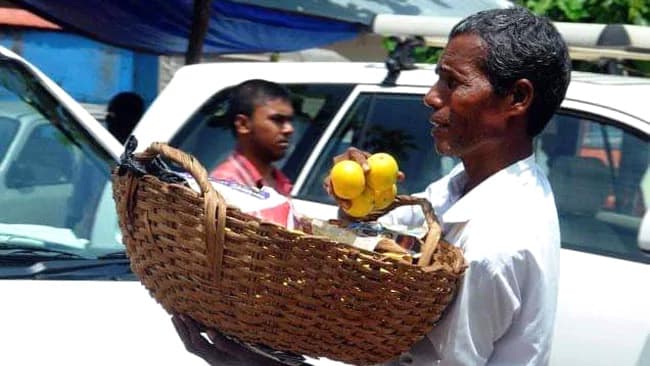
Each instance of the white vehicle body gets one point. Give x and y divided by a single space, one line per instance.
603 301
77 322
62 319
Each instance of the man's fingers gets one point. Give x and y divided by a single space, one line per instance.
338 158
190 334
185 332
191 325
223 343
344 204
354 154
236 351
401 176
361 158
181 329
327 185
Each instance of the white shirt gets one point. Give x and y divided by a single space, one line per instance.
508 229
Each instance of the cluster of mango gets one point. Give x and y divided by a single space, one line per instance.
366 192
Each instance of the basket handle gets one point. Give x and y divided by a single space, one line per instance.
214 204
433 235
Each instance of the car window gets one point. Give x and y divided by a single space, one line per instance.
599 175
382 122
8 128
52 175
42 159
208 137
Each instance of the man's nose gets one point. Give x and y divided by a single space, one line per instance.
287 128
432 98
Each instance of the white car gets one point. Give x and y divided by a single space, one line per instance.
68 294
595 151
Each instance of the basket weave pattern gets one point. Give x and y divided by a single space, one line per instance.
262 283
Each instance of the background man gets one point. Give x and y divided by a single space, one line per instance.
261 114
123 113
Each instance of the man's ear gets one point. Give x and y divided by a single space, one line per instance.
521 97
242 124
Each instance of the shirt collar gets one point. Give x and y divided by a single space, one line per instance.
248 168
484 196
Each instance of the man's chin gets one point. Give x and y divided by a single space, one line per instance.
443 149
278 155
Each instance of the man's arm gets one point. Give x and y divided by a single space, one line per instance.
487 301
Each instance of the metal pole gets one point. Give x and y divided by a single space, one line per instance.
200 20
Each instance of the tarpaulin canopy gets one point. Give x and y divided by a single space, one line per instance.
234 26
163 26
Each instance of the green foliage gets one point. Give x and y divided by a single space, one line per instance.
592 11
585 11
427 55
597 11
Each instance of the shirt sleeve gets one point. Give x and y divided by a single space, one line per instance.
487 301
436 193
410 216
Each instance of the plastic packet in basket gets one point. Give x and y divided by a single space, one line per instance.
401 244
265 203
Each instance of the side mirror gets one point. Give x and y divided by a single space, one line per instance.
644 233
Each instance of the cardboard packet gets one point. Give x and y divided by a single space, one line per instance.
265 203
370 236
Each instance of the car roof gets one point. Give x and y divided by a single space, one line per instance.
192 85
618 92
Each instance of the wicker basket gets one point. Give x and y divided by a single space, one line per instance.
262 283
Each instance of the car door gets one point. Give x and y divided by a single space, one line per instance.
598 167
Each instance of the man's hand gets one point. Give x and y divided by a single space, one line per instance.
353 154
215 349
360 157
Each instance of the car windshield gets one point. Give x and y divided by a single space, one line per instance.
54 180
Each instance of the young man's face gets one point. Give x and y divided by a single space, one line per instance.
271 128
468 116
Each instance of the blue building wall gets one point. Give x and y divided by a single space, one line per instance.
91 72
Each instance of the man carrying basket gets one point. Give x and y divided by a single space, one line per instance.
503 74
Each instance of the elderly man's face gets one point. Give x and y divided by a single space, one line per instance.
468 116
